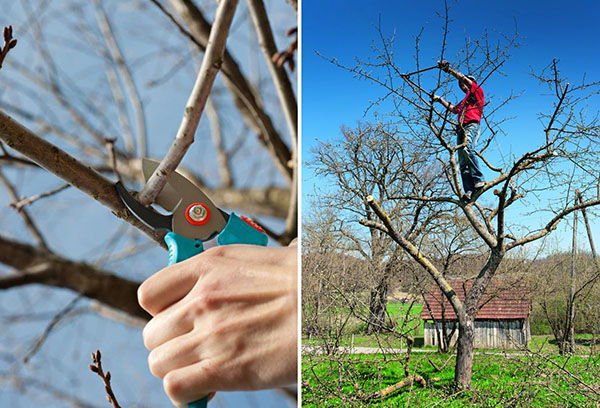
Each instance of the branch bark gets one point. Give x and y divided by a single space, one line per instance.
52 270
65 166
417 256
245 96
132 91
211 64
280 78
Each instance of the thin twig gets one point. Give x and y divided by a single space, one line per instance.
9 43
110 146
31 226
287 55
53 323
125 72
211 64
18 205
97 368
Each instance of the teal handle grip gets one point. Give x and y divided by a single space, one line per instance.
180 249
236 231
201 403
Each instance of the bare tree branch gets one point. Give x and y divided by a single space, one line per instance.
245 96
211 64
280 78
132 91
417 256
217 137
97 368
53 323
38 266
9 43
69 169
31 226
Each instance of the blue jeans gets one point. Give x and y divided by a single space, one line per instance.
470 171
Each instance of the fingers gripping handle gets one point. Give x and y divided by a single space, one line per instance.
180 249
237 231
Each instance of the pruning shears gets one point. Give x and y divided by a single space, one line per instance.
194 218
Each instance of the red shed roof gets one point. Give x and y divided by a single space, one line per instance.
501 301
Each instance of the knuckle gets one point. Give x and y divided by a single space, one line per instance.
142 295
197 306
146 336
154 364
202 302
173 386
223 327
221 251
209 300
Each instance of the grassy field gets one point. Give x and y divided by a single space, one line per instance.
498 381
541 379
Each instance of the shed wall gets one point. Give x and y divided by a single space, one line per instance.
489 334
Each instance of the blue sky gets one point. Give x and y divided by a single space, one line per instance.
332 97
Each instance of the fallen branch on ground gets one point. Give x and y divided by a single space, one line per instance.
388 391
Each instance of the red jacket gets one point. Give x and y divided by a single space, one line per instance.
472 105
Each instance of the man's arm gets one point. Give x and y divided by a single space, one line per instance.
445 66
447 105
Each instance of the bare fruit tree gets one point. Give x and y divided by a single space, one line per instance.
93 87
367 161
533 181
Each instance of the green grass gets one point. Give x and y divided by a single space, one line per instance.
497 381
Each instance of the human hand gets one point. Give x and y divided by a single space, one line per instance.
223 320
444 65
436 98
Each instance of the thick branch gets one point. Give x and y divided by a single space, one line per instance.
414 252
53 270
65 166
280 78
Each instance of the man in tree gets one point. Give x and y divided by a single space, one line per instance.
469 112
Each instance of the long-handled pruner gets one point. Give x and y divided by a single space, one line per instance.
194 219
419 71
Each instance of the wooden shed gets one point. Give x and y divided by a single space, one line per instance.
502 321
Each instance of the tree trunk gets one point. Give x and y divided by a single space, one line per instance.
465 351
377 307
570 333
